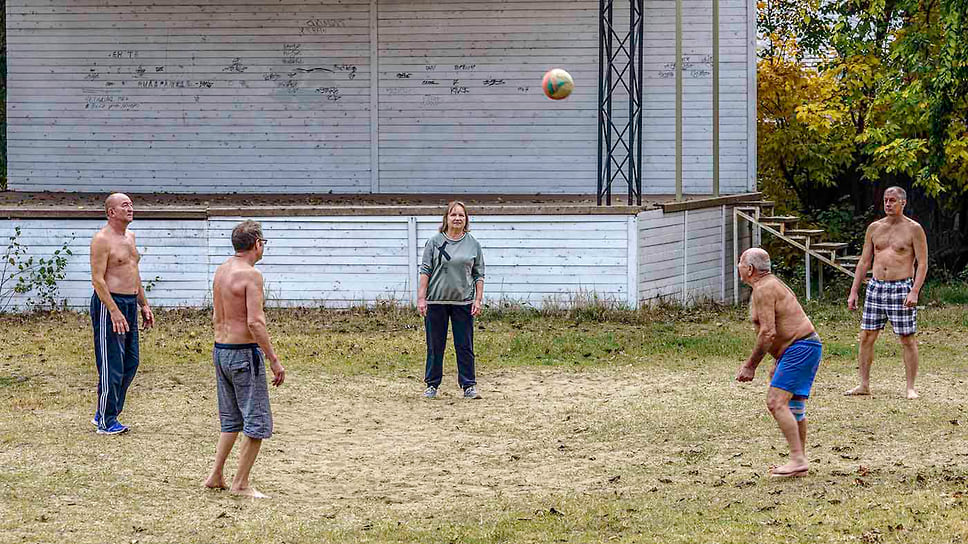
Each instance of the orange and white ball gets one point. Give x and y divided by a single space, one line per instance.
557 84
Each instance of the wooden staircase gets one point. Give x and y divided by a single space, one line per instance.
759 213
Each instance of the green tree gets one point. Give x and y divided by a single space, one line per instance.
856 95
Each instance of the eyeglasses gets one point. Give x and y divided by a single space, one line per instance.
264 241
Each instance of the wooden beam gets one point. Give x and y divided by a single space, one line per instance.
711 202
98 213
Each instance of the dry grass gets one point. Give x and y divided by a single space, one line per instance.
629 430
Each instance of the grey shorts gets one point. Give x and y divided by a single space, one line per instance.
243 393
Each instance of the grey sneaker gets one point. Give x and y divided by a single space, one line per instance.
470 392
430 392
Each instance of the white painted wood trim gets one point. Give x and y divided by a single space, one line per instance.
632 244
210 260
414 280
735 256
315 219
678 98
685 257
751 93
806 258
374 97
722 252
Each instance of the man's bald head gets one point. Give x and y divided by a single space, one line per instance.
115 199
119 206
757 257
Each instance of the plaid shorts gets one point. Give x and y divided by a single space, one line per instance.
885 301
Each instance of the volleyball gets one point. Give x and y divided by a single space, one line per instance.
557 84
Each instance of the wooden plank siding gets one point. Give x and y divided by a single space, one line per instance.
558 259
344 261
354 96
175 96
686 256
175 252
461 106
333 262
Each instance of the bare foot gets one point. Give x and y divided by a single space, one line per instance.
216 482
858 391
249 492
912 394
790 470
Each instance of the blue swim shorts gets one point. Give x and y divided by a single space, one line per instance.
798 366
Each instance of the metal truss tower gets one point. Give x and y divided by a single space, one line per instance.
620 85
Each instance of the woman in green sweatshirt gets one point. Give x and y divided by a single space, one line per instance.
451 289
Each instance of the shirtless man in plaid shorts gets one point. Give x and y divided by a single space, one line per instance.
896 243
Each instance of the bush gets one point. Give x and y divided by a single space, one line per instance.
23 275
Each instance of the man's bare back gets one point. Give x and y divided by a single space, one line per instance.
234 282
784 331
790 323
240 325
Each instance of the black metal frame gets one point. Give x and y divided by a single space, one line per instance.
620 71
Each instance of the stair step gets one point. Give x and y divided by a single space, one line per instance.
804 232
760 203
849 258
778 219
834 246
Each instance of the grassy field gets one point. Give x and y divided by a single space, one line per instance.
623 429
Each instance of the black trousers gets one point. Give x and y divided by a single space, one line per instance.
436 324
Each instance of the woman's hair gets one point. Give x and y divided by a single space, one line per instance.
450 208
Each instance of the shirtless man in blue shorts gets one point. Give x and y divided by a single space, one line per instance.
896 243
784 331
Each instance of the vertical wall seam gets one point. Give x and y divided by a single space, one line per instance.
632 245
751 93
722 252
374 97
685 257
414 280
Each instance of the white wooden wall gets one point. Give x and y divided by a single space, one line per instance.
687 256
737 88
345 261
563 259
326 261
461 106
351 96
174 251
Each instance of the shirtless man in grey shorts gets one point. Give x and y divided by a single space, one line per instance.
896 244
241 339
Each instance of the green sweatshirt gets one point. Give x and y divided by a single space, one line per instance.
454 267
